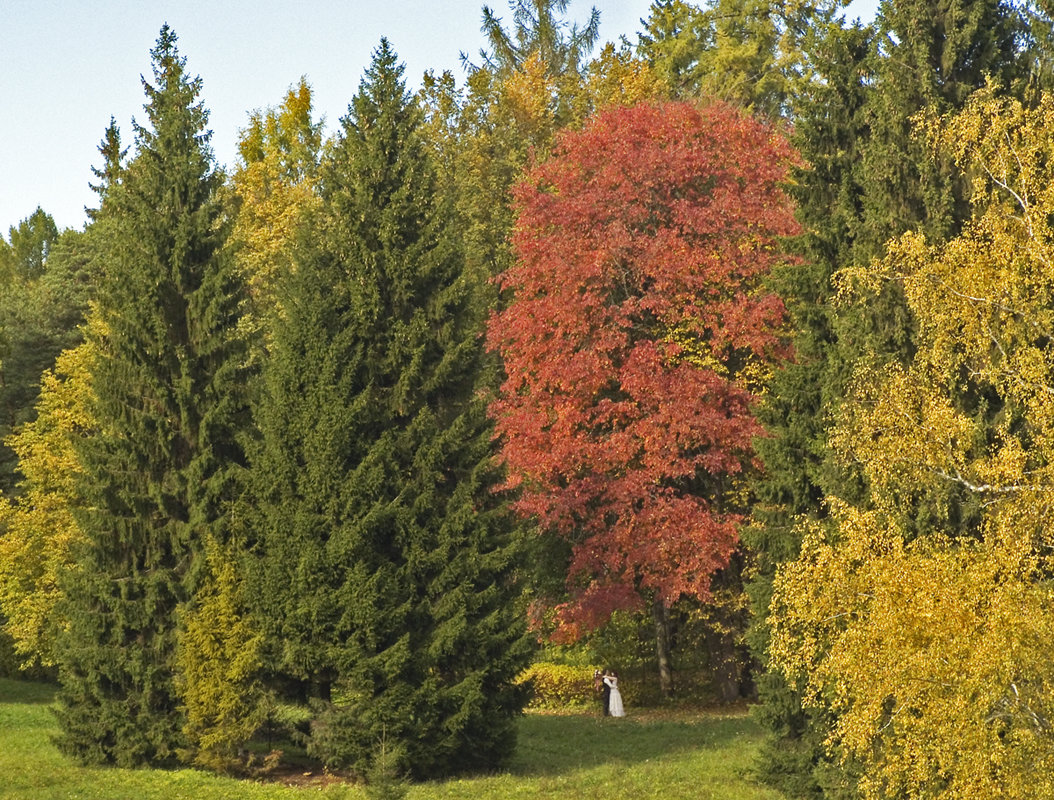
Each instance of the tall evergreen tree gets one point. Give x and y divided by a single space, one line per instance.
163 466
676 37
386 560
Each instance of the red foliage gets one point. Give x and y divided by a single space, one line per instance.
641 243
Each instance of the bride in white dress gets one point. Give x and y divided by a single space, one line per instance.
615 708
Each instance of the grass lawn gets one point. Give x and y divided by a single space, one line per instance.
701 756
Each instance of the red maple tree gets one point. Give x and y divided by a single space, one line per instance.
636 304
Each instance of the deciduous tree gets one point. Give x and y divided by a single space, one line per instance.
275 188
39 530
636 327
42 303
928 647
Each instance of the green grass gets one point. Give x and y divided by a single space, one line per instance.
702 756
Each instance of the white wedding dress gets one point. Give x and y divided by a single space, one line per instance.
615 700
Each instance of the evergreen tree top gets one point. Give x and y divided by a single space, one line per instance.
109 174
537 28
380 154
173 106
948 49
381 87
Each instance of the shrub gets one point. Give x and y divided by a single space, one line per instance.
556 686
567 686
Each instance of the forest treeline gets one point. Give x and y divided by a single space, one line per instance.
728 351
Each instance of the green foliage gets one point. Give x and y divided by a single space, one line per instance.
112 169
742 65
162 465
675 36
928 57
797 405
35 769
745 52
30 244
386 559
40 314
385 781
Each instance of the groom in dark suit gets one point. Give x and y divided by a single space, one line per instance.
600 687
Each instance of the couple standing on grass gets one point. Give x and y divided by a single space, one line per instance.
606 685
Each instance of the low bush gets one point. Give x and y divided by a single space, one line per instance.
558 686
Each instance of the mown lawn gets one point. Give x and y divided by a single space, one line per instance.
701 756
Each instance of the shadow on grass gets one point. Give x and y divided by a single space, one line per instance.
26 692
555 744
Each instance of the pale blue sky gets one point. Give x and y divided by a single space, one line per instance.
66 66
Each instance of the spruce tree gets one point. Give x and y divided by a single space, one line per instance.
386 560
109 174
928 57
163 466
676 39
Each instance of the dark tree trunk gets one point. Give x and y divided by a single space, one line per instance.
661 616
726 663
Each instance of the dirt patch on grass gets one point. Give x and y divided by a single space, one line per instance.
295 776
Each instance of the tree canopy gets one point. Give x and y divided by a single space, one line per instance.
929 649
636 320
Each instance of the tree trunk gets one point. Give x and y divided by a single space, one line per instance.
662 646
726 663
722 634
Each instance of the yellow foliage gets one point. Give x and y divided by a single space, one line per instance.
530 92
616 77
219 663
558 686
39 530
275 188
934 657
933 653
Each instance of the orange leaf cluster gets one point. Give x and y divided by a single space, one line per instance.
640 245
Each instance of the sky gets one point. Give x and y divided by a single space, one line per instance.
67 66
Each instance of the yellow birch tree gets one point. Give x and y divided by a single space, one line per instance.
933 651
